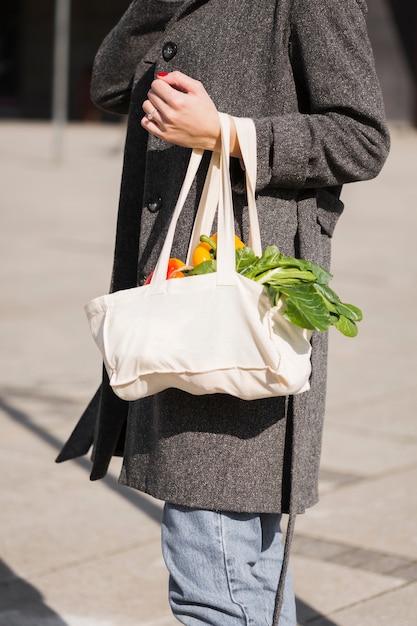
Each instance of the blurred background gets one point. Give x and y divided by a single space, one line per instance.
74 553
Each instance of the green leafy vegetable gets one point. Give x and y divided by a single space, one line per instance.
302 302
301 285
206 267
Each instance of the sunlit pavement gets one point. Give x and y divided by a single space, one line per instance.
76 553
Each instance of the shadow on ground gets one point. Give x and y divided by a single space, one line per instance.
21 604
308 616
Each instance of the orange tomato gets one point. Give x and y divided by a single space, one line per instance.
174 266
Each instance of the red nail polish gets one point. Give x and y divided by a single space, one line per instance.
160 74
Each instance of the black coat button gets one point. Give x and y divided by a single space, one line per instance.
169 50
154 203
141 280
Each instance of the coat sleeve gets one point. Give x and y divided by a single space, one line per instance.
339 134
125 47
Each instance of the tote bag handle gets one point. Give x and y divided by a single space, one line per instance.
204 219
159 276
217 193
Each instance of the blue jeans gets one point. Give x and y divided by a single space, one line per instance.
224 567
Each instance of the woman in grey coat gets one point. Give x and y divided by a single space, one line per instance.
303 71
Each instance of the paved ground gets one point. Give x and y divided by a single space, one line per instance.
76 553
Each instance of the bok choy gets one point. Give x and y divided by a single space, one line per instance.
301 285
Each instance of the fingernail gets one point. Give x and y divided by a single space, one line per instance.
160 74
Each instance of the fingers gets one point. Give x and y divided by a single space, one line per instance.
179 110
152 118
164 98
179 81
171 89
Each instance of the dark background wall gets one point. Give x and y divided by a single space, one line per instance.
393 32
26 55
26 45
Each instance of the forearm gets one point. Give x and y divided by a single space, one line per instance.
340 133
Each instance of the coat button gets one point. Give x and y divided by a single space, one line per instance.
169 50
141 280
154 203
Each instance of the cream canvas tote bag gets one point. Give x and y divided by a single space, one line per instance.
210 333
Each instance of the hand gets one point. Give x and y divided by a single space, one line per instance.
182 112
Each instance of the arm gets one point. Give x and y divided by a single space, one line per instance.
340 135
130 41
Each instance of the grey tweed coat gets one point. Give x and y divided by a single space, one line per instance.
304 71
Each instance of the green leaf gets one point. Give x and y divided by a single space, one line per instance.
350 311
304 302
206 267
293 314
245 259
274 294
286 276
270 259
322 275
346 326
271 252
328 293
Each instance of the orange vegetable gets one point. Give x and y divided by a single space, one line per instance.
206 252
173 271
203 252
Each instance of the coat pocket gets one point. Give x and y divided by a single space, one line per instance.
329 209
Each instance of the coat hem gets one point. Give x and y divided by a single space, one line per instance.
212 505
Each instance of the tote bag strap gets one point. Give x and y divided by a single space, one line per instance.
225 254
217 193
160 272
207 207
246 133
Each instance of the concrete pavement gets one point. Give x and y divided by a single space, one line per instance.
76 553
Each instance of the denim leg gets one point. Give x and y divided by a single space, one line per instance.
224 567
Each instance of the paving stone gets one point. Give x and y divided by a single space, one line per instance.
360 558
386 413
364 452
407 572
385 564
317 549
368 515
55 515
330 479
328 587
396 608
128 587
62 257
353 557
